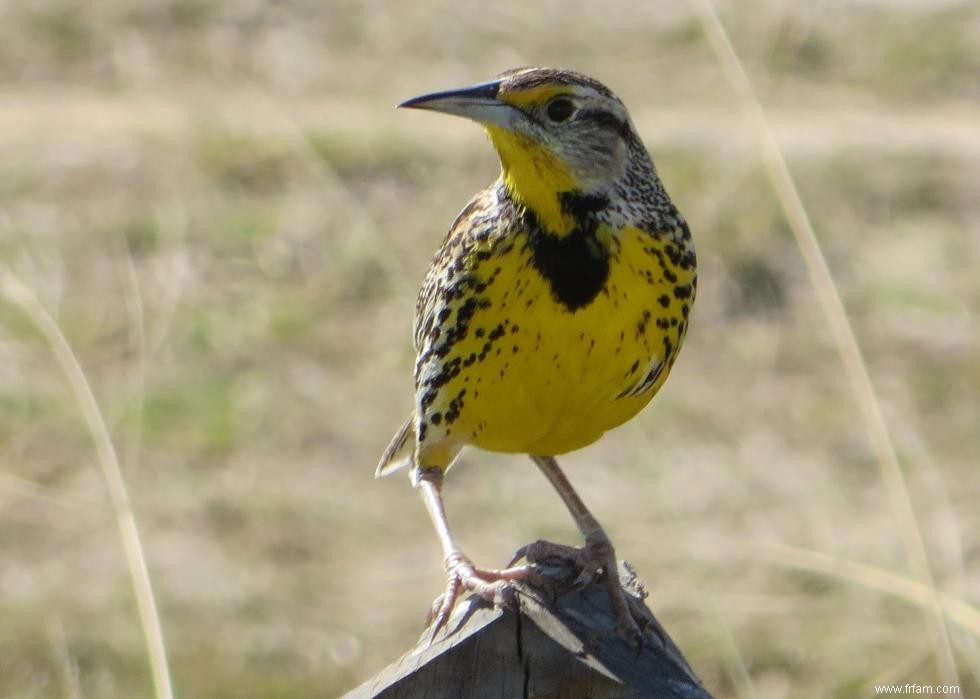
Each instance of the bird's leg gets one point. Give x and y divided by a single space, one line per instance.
491 585
596 557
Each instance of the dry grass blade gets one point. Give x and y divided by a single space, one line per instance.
67 667
956 610
20 295
738 671
847 344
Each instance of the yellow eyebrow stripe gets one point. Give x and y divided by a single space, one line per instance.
534 95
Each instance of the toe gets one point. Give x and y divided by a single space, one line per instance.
527 574
541 550
439 614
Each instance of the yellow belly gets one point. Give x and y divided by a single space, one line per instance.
538 378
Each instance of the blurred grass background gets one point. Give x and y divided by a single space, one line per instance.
229 221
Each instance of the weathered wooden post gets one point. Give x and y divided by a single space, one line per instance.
559 645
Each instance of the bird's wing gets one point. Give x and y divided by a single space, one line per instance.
448 268
446 271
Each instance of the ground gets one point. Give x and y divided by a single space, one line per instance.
229 220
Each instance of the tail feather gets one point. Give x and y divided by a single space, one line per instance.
400 452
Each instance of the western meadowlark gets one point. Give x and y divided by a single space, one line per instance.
553 311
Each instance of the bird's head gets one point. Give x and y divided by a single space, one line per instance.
556 132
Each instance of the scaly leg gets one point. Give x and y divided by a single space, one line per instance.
597 554
491 585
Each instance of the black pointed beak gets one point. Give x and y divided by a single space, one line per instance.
477 102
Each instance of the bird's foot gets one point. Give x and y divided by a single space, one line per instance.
597 561
494 586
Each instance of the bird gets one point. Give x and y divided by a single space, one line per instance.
553 311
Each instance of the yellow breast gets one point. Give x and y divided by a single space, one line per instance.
538 376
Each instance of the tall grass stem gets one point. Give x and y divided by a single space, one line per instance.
20 295
848 348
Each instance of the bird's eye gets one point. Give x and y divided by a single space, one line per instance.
559 109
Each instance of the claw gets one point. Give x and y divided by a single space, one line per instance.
494 586
518 555
596 561
443 606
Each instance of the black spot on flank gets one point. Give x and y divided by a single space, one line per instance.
448 371
664 300
464 314
436 418
641 327
663 323
480 332
428 330
685 310
636 365
670 276
682 292
661 260
455 406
